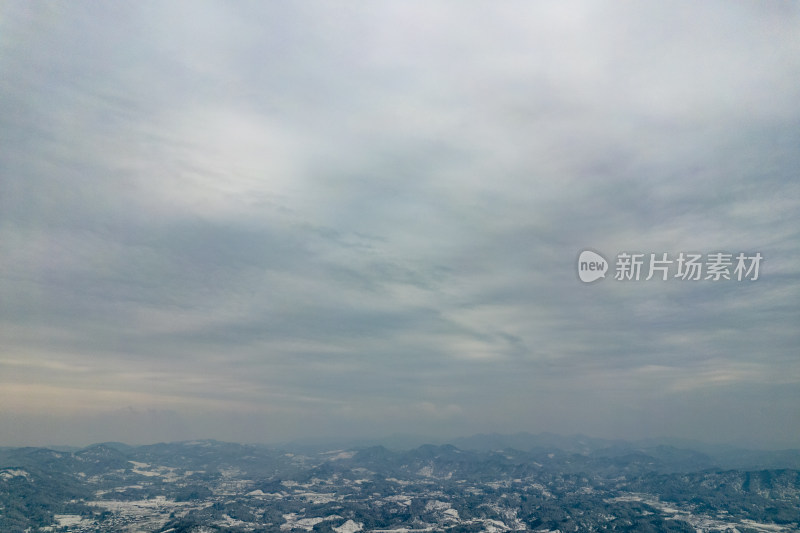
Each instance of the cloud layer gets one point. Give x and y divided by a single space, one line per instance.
272 221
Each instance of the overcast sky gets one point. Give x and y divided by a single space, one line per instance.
268 221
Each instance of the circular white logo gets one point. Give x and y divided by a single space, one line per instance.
591 266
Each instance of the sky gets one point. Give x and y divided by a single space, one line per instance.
267 221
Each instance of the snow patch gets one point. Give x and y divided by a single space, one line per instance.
292 522
67 520
426 471
337 455
318 497
349 527
11 473
436 505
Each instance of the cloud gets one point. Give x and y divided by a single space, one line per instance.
312 220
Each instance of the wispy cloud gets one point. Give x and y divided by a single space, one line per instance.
317 221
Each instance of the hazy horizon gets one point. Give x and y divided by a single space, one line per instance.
272 221
406 441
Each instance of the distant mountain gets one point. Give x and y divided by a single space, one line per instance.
527 442
680 455
491 483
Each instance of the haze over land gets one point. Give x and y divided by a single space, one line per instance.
270 221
